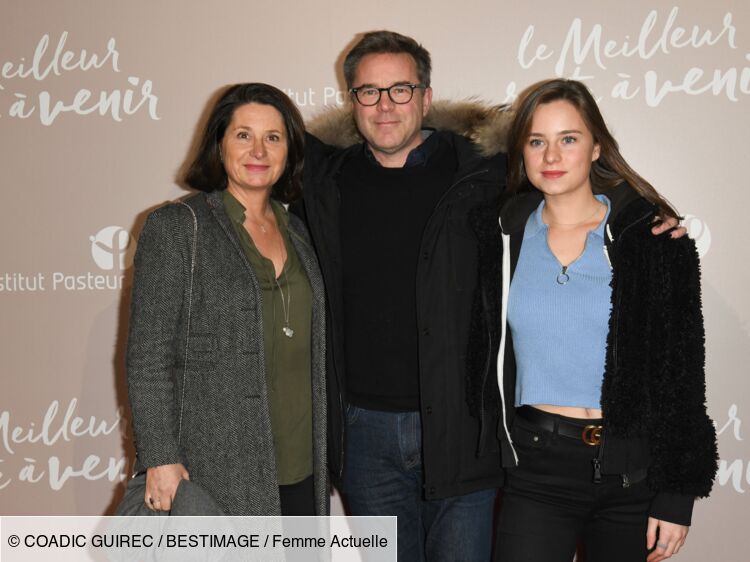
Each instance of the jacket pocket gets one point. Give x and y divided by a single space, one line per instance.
202 347
529 439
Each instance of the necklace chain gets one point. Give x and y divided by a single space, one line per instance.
286 302
263 227
287 308
584 221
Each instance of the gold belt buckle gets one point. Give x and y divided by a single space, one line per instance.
592 435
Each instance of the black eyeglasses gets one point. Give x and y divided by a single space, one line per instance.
398 93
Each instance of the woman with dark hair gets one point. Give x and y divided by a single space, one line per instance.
226 366
597 328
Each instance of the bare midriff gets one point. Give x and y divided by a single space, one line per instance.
571 411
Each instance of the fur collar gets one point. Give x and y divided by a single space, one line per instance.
486 126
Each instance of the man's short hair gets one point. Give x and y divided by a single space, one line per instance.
381 42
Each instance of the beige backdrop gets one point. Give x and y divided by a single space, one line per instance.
93 139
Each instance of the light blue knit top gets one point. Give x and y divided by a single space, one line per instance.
560 322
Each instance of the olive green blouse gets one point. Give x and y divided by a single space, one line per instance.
287 359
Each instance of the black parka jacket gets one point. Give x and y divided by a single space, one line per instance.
460 451
653 392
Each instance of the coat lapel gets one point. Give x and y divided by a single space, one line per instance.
216 204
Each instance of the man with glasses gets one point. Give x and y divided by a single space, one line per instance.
388 219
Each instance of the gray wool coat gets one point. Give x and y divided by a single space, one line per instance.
195 358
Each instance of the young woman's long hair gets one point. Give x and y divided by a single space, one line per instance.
607 172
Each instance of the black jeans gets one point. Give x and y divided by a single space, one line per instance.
551 503
298 499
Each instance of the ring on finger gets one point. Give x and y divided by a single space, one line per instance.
663 545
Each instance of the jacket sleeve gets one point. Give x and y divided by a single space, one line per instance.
675 508
683 441
162 269
315 154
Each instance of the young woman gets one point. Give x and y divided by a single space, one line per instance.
598 328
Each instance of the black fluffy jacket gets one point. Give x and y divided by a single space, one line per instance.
653 392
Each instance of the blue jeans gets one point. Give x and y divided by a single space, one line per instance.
384 476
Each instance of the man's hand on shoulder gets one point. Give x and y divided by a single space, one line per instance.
667 224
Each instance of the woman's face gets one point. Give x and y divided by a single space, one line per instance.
254 148
560 149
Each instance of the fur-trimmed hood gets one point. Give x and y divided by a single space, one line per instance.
485 125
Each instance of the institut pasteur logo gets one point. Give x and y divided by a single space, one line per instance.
112 248
110 253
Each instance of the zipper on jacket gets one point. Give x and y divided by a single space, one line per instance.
421 251
343 425
342 408
482 421
504 329
342 411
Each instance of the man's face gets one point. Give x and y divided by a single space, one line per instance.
391 130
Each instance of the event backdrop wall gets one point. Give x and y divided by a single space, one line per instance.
99 102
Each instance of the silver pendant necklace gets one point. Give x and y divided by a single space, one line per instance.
288 332
286 302
286 306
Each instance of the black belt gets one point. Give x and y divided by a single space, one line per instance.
589 433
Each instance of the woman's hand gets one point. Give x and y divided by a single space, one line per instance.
671 538
161 485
